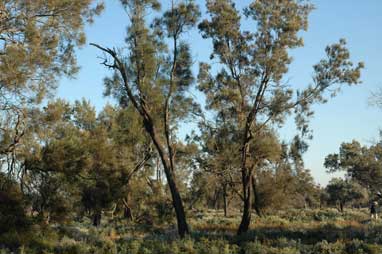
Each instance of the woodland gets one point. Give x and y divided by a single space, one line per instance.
75 180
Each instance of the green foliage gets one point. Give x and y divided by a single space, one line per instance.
361 163
12 216
38 40
345 191
153 72
37 44
247 88
64 168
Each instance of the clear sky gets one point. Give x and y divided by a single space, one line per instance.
348 116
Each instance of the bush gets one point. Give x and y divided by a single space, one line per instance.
14 224
328 248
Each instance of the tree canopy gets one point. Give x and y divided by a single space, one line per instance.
127 165
361 163
37 47
250 87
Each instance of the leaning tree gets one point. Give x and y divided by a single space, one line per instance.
154 76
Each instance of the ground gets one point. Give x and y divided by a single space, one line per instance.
286 232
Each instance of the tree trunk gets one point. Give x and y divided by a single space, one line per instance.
256 198
169 172
159 175
127 214
246 179
178 205
215 201
246 216
225 200
97 218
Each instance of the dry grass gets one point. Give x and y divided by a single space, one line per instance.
288 232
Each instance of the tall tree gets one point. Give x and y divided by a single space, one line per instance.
155 77
253 64
37 42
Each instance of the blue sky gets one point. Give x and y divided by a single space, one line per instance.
348 116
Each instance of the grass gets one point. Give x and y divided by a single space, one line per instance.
293 231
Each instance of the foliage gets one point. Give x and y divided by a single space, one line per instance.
13 220
74 180
37 43
345 191
360 163
154 78
248 87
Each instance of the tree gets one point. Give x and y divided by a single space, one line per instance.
252 65
72 159
305 189
48 160
342 192
283 182
361 163
154 78
216 161
12 215
132 150
37 42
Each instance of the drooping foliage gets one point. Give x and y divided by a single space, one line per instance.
37 47
70 174
154 76
250 83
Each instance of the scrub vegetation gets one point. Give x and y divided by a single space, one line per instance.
121 180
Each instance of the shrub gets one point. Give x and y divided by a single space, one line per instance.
328 248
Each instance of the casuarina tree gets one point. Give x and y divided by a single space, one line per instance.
154 76
37 43
250 78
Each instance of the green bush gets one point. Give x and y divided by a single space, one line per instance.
328 248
